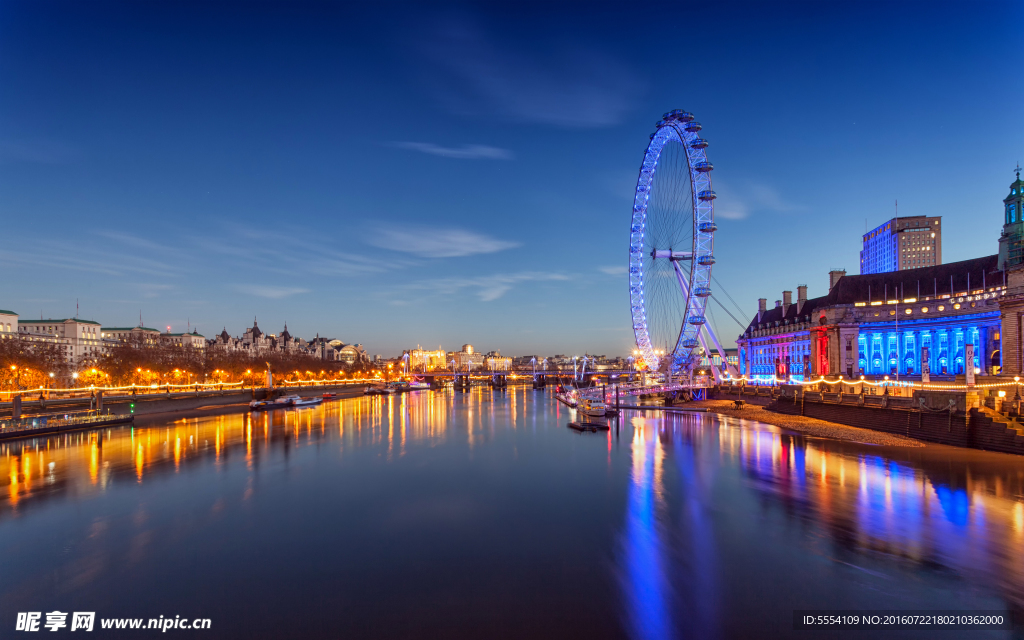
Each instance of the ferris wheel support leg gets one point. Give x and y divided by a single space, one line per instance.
714 370
721 351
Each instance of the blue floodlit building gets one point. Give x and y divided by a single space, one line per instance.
888 323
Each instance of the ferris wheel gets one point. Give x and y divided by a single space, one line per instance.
671 247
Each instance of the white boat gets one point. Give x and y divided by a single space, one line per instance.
286 401
371 391
591 408
306 402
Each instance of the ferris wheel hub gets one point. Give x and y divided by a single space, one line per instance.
672 255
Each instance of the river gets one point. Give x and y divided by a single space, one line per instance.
481 515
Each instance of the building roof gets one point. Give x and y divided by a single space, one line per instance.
52 321
130 329
7 313
952 277
781 313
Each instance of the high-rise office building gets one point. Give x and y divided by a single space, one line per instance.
902 243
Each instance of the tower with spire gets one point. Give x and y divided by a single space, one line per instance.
1011 241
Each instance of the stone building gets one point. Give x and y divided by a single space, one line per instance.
82 340
8 324
140 336
467 359
193 340
896 323
1011 260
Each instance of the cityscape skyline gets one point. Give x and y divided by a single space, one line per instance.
207 167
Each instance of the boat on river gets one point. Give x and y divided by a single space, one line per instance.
591 407
283 403
568 397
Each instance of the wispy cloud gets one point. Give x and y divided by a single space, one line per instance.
739 201
288 256
613 271
551 83
486 288
270 292
69 256
465 152
427 242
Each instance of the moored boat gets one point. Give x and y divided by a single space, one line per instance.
591 407
567 397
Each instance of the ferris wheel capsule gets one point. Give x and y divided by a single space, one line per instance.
706 260
707 227
707 195
703 167
693 127
686 116
699 143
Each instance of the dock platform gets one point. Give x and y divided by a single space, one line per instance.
588 426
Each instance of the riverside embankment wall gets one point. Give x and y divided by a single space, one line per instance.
154 403
971 428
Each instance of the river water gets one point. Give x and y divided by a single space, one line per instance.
481 515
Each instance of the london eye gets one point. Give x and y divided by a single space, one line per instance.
671 247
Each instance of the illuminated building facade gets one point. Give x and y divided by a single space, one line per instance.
496 362
424 360
902 243
882 324
895 322
467 359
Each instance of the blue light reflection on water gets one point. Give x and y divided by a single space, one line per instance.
647 586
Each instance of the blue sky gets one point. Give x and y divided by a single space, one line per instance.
396 175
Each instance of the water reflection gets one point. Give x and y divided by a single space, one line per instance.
686 518
85 462
887 512
647 583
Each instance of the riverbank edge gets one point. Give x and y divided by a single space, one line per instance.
805 425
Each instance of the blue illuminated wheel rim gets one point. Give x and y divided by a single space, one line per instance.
671 242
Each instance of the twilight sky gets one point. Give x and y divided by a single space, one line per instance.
395 175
